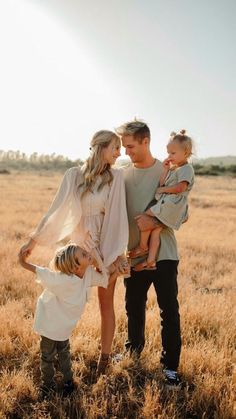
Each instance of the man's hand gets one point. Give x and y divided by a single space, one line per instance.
145 222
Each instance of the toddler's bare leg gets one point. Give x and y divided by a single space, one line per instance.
144 237
154 245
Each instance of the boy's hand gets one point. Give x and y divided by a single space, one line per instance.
22 259
122 265
124 268
27 248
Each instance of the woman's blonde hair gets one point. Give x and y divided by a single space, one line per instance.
95 165
65 260
185 141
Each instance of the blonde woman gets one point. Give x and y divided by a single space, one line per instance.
90 209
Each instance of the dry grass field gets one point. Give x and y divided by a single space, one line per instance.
207 272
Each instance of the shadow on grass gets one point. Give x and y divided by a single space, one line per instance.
121 393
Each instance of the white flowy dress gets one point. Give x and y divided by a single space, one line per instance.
97 222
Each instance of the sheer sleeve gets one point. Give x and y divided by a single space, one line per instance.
64 213
114 234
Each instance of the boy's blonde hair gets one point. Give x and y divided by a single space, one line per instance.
137 128
95 165
65 260
184 140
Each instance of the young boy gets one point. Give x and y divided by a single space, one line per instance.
59 308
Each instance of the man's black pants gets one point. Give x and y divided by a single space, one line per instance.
164 280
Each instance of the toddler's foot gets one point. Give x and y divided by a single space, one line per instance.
145 266
137 251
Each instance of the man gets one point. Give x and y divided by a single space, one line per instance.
141 180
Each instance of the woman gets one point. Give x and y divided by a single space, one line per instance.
90 209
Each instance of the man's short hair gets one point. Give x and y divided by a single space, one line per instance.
137 128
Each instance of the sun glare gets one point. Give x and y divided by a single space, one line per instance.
50 82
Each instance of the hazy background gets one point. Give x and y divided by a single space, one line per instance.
71 67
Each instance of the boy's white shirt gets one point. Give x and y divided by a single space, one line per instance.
62 302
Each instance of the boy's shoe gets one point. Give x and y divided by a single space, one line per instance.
172 379
68 388
45 391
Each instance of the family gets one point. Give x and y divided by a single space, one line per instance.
117 222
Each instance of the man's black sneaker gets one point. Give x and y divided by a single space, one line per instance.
68 388
172 379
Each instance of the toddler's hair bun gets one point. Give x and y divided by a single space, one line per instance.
182 131
172 134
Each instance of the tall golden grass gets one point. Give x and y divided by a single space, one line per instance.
207 245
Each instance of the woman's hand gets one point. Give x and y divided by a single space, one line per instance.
122 265
27 248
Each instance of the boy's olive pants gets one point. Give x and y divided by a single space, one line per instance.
49 349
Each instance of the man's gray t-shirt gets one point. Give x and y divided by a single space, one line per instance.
141 185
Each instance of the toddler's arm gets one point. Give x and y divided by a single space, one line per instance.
175 189
29 266
166 168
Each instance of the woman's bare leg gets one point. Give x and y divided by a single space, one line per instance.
106 304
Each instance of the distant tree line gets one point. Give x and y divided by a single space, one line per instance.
16 160
214 170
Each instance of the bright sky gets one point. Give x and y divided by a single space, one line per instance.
72 67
